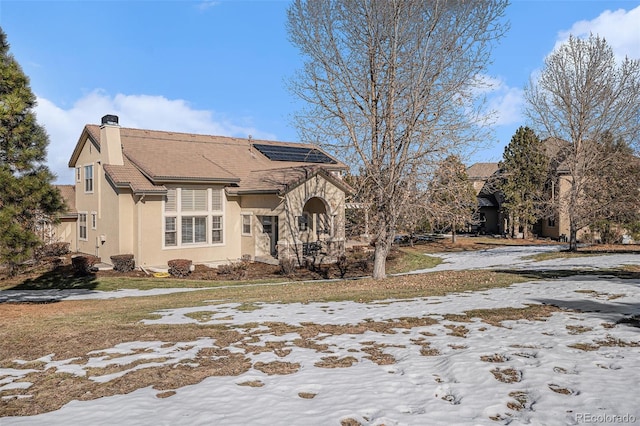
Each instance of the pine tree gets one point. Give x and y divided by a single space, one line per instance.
27 194
452 197
524 170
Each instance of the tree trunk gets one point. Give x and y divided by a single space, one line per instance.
379 261
573 237
453 233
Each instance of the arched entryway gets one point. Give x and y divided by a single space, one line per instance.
316 221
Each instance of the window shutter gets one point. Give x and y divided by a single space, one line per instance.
200 200
216 200
170 202
192 200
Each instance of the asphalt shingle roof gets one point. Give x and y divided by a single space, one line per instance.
153 158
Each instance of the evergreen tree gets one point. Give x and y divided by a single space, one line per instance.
452 197
27 194
524 170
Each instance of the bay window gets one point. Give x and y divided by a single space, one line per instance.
193 216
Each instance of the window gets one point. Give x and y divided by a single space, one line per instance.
193 200
551 222
170 232
303 223
78 174
94 220
88 178
246 224
216 230
82 226
193 216
194 229
267 224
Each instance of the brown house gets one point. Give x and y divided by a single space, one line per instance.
482 176
211 199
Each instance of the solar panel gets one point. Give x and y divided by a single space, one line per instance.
294 153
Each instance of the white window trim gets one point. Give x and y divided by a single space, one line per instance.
86 226
94 220
223 236
242 216
209 214
164 230
93 178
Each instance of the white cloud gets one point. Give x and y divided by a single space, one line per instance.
206 5
619 28
505 103
137 111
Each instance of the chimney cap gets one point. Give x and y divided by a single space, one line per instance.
110 119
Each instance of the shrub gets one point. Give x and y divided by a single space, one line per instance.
84 264
52 250
342 264
123 262
287 266
235 270
179 267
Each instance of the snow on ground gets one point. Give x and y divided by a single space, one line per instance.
524 372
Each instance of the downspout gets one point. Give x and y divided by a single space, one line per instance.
139 233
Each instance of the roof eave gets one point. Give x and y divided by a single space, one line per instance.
85 135
191 179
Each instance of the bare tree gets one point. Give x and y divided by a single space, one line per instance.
614 191
391 85
583 93
452 196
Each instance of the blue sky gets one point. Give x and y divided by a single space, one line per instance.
221 67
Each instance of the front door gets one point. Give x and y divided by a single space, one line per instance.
270 232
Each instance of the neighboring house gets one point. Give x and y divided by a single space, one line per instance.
211 199
65 229
482 176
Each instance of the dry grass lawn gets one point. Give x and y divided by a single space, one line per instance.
73 329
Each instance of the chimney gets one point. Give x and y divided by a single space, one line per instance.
110 144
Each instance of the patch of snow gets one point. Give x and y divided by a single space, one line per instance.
523 372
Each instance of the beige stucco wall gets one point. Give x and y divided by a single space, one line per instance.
66 231
258 244
321 188
147 226
88 202
288 208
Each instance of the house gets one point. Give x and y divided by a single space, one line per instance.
210 199
483 176
65 228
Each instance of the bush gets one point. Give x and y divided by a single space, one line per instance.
123 262
179 268
52 250
287 266
343 265
84 264
235 270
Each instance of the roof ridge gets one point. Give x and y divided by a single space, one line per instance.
230 138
